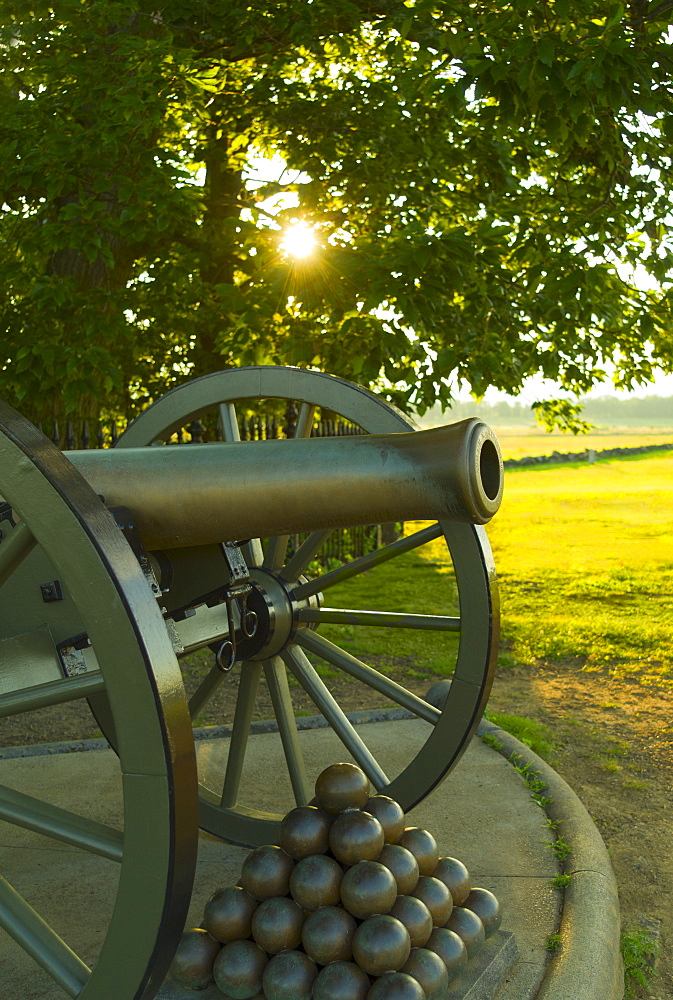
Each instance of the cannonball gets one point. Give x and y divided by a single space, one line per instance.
427 967
316 881
355 836
390 815
415 916
328 935
450 948
381 944
469 927
266 872
277 924
455 877
486 906
436 897
423 846
192 964
239 968
368 888
342 786
228 913
304 831
289 976
402 864
341 981
396 986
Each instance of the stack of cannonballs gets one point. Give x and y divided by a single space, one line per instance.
351 905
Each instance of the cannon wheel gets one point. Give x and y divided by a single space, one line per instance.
221 811
55 511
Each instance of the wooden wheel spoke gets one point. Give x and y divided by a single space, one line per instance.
305 420
229 422
60 824
380 619
368 675
42 943
276 679
306 551
252 552
14 548
368 562
51 693
276 548
245 704
205 691
320 695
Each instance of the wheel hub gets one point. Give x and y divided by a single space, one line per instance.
277 610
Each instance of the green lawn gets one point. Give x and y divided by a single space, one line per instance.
584 555
585 559
418 582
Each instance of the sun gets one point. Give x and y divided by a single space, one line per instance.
299 240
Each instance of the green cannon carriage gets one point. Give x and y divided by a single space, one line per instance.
116 563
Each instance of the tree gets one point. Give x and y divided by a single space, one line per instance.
483 180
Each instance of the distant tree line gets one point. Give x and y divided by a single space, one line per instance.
611 411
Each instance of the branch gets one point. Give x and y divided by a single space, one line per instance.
268 190
654 15
279 34
604 202
24 87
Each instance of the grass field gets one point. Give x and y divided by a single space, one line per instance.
517 442
584 555
585 558
419 582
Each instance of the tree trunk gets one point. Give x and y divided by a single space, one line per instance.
222 204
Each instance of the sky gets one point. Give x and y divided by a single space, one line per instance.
538 388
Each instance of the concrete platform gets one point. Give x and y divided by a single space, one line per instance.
483 814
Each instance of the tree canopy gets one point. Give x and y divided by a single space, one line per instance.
488 184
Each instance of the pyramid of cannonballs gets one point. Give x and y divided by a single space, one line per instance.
350 905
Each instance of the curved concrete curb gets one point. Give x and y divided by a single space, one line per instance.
588 965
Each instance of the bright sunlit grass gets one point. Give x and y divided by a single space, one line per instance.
585 560
419 582
584 555
299 240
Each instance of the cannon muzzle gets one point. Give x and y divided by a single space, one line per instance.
185 495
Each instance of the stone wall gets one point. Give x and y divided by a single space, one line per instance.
589 455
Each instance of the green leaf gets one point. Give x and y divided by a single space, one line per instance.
578 68
545 50
616 16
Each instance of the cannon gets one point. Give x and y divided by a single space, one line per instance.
116 563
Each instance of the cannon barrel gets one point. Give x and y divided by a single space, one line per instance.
185 495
